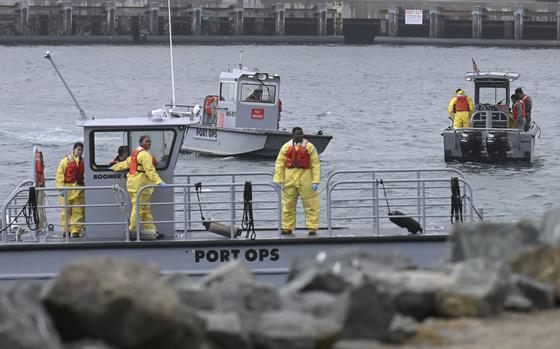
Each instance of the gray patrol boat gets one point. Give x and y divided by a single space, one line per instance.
212 218
244 119
490 139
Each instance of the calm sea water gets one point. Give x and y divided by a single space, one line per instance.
384 105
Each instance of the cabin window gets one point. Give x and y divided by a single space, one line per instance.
162 143
105 146
492 96
258 93
227 92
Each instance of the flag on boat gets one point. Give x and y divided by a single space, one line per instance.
475 69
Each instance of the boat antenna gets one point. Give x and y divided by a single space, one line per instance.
82 113
240 59
171 53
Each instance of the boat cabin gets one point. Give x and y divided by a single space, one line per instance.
102 139
247 99
491 98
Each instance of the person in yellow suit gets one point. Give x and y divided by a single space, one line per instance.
298 170
460 109
70 174
141 166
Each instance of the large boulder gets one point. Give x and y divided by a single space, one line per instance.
226 330
294 330
491 241
368 313
244 296
541 264
123 303
234 270
540 295
316 303
550 228
478 289
24 323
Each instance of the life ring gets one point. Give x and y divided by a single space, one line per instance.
210 106
39 169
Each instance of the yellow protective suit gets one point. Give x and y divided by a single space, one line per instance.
297 182
74 197
146 174
460 118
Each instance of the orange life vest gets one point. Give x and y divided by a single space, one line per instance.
461 103
298 158
39 169
515 113
134 161
74 172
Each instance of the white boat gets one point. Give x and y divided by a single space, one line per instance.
244 119
490 139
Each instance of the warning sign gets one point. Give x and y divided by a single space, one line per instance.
412 16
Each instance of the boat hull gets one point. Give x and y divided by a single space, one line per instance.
211 140
269 259
520 145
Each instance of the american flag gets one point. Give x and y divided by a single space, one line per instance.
475 67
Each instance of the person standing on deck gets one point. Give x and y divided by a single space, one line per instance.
460 109
518 111
141 166
528 103
70 174
298 171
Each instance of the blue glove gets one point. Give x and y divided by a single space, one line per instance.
315 186
61 193
163 184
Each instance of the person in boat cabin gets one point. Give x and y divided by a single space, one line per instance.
122 154
528 103
255 96
70 174
460 109
298 171
141 166
518 111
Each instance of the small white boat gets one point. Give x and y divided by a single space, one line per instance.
244 119
490 139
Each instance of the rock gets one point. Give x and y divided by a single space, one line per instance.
347 262
196 296
244 296
368 313
226 331
234 270
88 344
319 304
401 329
550 228
294 330
177 280
412 291
24 323
517 302
491 241
123 303
314 279
540 295
478 290
541 264
356 344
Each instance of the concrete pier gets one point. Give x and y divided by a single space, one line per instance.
361 21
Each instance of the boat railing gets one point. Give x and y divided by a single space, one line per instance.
14 213
371 200
500 119
223 200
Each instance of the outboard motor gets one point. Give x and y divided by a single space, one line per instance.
497 145
471 145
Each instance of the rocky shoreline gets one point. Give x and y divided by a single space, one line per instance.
496 280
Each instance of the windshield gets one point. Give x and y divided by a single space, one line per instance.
258 93
491 95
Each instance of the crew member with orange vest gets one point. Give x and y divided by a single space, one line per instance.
528 104
298 171
460 109
70 174
141 166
